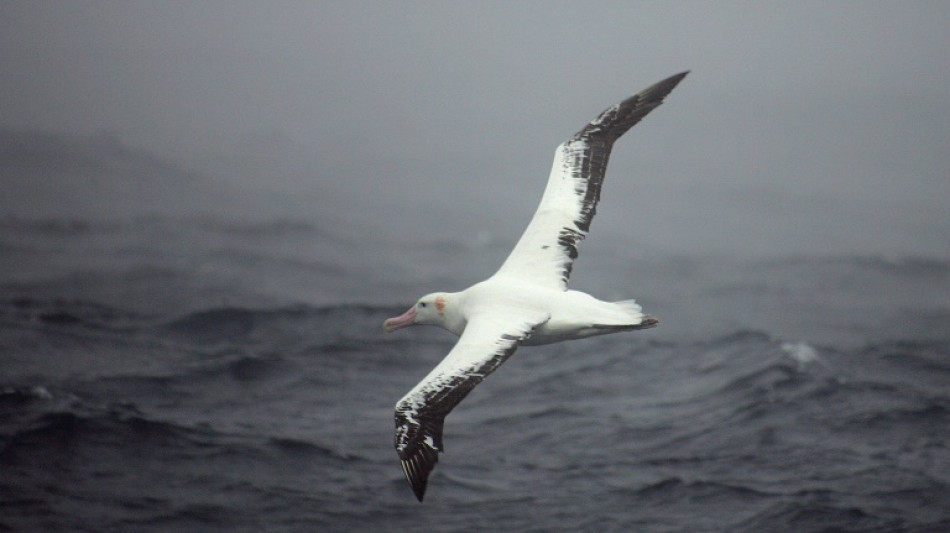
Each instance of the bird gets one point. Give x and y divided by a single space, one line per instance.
527 301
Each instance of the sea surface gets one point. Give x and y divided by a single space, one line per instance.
211 375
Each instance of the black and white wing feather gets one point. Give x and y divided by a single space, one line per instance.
486 343
543 256
547 249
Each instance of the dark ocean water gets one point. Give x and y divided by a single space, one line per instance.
198 375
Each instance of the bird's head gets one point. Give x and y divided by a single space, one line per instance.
431 309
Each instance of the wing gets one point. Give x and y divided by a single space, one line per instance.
484 345
547 249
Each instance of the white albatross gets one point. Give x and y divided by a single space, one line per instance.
527 301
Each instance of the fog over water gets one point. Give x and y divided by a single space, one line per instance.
806 128
208 209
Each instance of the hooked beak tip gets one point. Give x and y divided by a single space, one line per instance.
406 319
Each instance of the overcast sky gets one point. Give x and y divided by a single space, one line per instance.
804 126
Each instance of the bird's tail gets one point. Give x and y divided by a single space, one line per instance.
638 320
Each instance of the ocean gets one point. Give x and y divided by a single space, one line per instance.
204 374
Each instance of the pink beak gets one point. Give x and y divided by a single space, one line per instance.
406 319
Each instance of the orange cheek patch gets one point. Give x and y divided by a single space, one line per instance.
440 305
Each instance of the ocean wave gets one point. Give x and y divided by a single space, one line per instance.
59 227
212 316
63 312
676 488
296 323
200 326
261 227
15 396
308 450
292 405
913 265
62 433
907 409
251 226
203 326
216 368
816 516
67 435
924 356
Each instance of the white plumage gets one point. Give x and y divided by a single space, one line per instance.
527 301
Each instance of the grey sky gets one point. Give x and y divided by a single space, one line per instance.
803 126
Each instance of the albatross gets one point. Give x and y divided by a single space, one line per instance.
527 301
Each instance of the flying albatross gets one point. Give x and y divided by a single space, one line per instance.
527 301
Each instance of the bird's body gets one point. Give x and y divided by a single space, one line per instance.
527 301
569 314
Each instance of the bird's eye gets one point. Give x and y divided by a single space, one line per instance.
422 304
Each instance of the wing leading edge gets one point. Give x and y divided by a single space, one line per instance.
484 345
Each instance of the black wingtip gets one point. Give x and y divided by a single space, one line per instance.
617 119
418 443
658 91
420 492
417 477
676 78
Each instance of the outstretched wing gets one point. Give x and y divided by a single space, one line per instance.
547 249
485 344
